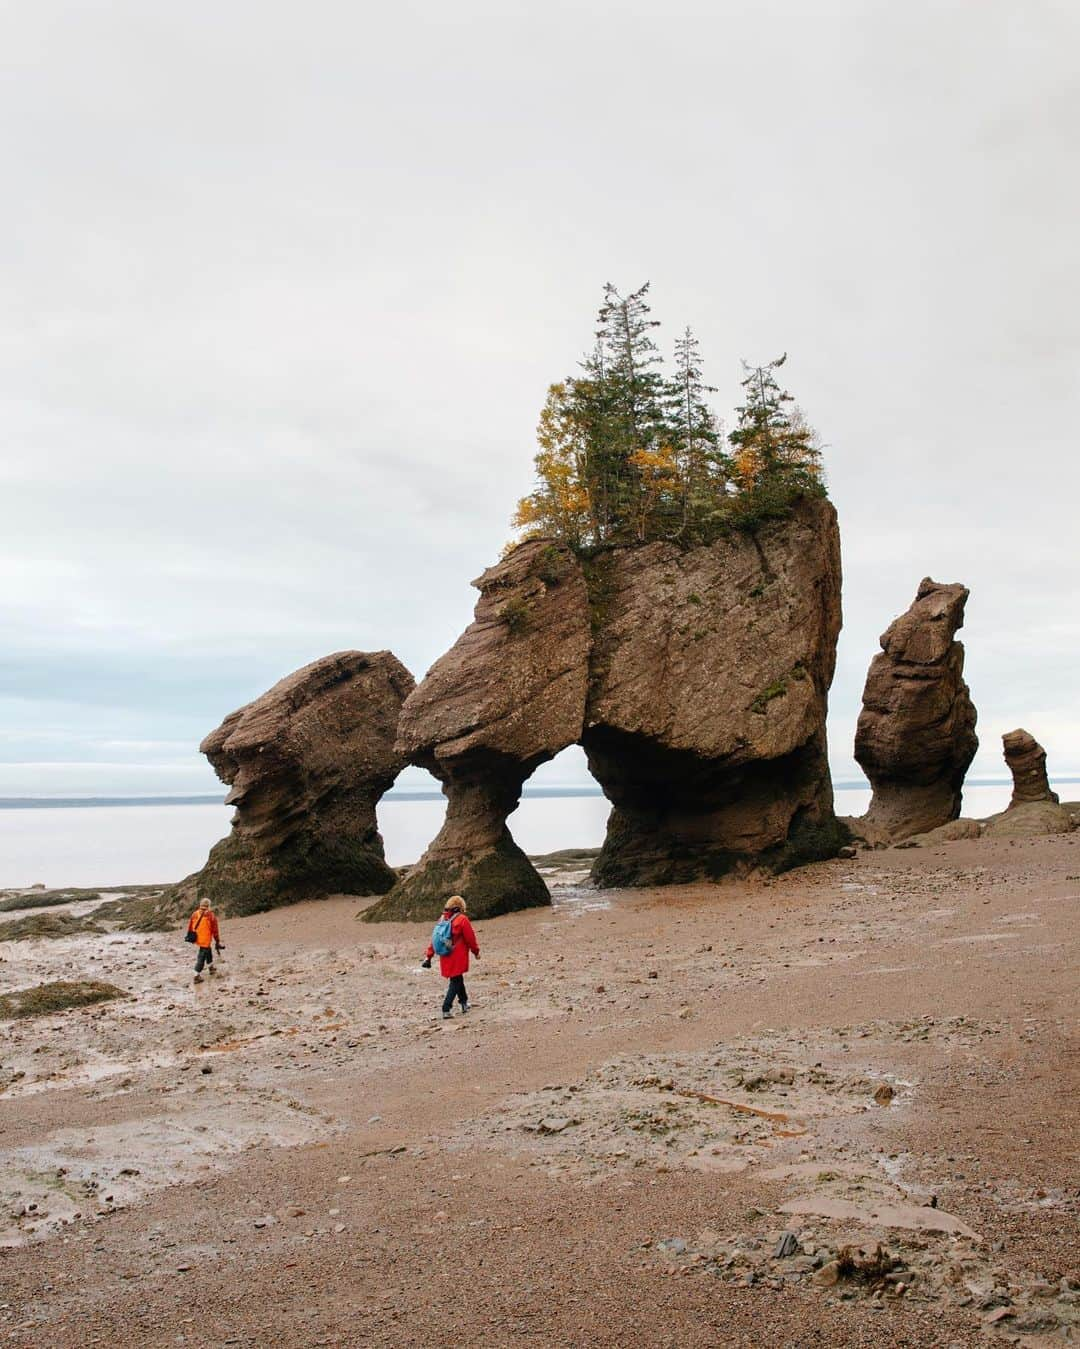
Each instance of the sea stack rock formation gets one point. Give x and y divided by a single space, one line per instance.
695 678
306 765
709 681
916 733
507 696
1026 760
1034 809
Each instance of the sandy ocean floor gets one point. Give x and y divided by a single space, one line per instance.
680 1117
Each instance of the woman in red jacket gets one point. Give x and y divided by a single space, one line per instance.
455 965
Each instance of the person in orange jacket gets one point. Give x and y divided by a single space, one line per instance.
203 930
453 930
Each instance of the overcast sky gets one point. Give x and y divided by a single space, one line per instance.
283 286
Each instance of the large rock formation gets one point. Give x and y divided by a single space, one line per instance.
696 679
705 723
507 696
306 765
1026 761
1034 809
916 732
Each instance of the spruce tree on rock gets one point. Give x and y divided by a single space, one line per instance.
704 469
627 454
776 456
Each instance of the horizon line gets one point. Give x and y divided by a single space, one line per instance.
539 792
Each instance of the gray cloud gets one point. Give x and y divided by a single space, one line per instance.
284 288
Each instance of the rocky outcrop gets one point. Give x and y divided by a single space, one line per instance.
1034 809
705 722
1026 761
306 764
1030 819
956 831
916 733
509 695
695 678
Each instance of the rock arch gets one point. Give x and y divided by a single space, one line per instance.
696 680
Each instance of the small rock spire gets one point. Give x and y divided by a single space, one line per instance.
1026 759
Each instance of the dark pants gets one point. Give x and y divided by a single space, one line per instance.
455 989
205 957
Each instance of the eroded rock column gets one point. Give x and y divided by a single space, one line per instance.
916 733
1034 809
509 695
1026 761
306 765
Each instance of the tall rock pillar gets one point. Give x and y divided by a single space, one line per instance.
916 733
508 695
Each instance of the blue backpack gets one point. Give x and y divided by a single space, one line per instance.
442 938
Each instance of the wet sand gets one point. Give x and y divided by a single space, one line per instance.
652 1089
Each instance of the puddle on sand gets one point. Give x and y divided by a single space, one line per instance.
578 897
976 937
909 1217
99 1068
92 1171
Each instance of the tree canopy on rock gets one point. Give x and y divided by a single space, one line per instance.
628 452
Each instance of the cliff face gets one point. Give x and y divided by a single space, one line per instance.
916 733
306 764
705 722
507 696
695 679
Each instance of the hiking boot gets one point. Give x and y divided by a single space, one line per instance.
210 970
447 1016
464 1007
197 979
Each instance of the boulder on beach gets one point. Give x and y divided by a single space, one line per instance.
916 732
306 764
1030 819
509 695
955 831
709 681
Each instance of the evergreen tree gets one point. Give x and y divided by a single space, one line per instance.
704 469
627 454
627 388
772 440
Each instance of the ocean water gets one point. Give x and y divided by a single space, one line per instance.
144 844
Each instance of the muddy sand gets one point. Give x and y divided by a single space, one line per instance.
840 1108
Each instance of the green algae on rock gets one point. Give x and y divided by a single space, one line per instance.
60 996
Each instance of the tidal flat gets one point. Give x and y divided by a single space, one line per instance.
686 1116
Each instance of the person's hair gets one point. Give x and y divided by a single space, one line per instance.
455 902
